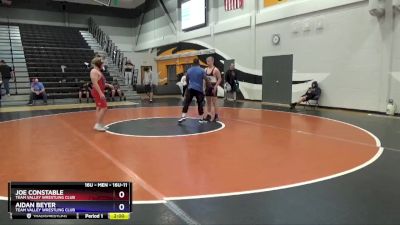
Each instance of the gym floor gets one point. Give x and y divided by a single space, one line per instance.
260 165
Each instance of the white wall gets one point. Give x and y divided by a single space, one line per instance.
156 30
348 49
395 78
352 55
121 36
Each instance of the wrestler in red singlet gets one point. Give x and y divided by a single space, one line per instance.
98 86
101 103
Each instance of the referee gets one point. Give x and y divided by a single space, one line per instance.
195 77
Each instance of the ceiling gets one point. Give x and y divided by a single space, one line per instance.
127 4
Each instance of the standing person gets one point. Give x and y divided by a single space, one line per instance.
98 87
184 84
231 78
7 73
128 72
1 82
135 78
195 77
214 77
148 83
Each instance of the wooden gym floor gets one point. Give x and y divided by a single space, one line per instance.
260 165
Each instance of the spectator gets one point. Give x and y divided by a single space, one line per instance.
37 91
128 72
109 91
7 73
135 77
1 82
312 93
85 91
148 83
184 84
117 90
231 78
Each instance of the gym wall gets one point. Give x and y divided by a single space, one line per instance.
338 43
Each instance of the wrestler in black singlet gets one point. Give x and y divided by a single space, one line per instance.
213 82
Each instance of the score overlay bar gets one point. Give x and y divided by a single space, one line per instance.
70 200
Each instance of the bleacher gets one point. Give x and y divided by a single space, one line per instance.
47 49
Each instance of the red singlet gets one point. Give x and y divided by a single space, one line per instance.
101 103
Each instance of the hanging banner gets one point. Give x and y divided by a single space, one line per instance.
268 3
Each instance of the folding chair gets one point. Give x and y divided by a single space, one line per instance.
314 102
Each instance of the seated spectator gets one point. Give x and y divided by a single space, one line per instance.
312 93
117 91
37 91
109 91
85 91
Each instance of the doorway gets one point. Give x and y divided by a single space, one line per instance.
277 74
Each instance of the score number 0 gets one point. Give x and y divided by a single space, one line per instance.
121 195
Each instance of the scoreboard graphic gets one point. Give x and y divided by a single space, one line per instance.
70 200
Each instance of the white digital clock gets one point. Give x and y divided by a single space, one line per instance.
276 39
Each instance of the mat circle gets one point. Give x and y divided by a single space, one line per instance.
162 127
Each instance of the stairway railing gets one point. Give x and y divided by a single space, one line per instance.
107 45
12 56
